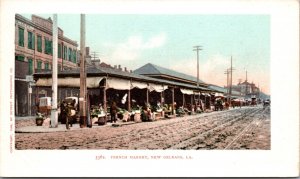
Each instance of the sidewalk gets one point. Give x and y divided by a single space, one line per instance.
25 117
62 127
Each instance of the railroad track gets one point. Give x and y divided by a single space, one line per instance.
188 121
248 129
186 144
136 138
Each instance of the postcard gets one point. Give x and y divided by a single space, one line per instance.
177 88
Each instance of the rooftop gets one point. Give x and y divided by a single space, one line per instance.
151 70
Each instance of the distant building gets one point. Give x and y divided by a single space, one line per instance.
33 53
247 89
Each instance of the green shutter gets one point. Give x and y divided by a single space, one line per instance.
69 54
30 66
39 43
51 48
46 66
21 37
46 46
74 56
59 51
33 41
39 65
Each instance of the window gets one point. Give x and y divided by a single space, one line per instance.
21 37
46 66
30 66
20 58
48 47
39 65
59 50
70 54
39 43
30 40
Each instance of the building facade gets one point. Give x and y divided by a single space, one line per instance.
33 53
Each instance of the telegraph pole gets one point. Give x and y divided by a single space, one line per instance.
230 89
227 89
197 48
83 90
54 113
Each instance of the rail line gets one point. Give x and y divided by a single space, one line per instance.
185 144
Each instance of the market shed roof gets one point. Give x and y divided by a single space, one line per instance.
153 70
103 71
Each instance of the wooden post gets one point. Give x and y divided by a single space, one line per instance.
183 100
147 95
173 101
129 100
104 98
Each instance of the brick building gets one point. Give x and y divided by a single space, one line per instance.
33 53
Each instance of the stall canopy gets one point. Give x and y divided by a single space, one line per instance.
117 83
140 85
219 94
156 87
186 91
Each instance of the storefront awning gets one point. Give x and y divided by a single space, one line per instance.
91 82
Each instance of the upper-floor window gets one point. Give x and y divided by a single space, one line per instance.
30 40
39 43
48 46
21 37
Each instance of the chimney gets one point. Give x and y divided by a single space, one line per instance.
130 71
115 66
120 68
125 69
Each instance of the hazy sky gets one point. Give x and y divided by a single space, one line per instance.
168 40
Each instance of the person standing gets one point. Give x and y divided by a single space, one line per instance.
113 112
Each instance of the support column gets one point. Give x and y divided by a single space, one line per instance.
104 100
173 101
183 100
147 96
129 100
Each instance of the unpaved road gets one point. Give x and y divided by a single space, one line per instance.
240 128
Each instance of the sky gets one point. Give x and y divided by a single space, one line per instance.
168 41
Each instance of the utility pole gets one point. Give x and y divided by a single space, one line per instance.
94 57
197 48
83 90
227 89
230 89
54 113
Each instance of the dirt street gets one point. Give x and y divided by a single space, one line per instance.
240 128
